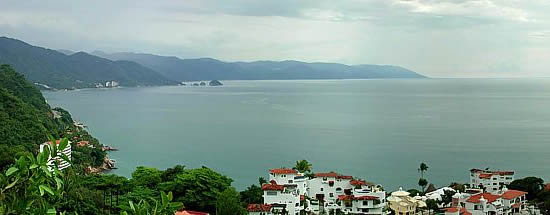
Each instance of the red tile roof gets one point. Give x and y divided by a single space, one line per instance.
327 174
302 197
347 177
487 196
463 211
547 187
451 210
273 187
517 205
82 143
283 171
365 198
504 172
258 208
511 194
485 175
359 183
351 197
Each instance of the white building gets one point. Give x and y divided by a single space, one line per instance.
293 192
490 181
506 202
62 163
260 209
282 198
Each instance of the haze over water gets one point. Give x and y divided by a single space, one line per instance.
379 130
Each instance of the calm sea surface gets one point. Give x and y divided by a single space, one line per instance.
379 130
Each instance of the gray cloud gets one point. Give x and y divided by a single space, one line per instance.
441 38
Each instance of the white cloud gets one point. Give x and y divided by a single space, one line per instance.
468 8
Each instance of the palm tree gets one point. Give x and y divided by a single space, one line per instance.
262 181
422 182
303 166
423 168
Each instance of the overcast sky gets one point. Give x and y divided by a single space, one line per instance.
438 38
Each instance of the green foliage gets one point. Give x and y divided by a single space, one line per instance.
25 118
30 187
422 183
414 192
171 173
432 205
252 195
199 188
458 186
228 203
303 166
262 181
447 197
532 185
73 71
146 176
164 206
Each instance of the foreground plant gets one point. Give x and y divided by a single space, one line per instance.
165 206
30 186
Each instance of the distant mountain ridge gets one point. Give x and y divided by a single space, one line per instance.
77 70
210 69
65 69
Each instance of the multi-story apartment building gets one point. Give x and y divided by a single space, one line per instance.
490 181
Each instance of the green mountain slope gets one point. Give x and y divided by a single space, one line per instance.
78 70
25 118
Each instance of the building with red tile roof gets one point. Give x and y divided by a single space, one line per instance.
457 211
547 187
512 194
259 208
273 187
293 191
487 196
489 180
283 171
327 175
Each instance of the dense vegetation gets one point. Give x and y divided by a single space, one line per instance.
79 70
28 187
212 69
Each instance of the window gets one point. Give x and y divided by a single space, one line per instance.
324 178
290 181
331 194
271 193
284 176
321 189
338 189
365 202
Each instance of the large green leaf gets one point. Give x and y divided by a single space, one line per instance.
63 144
11 170
45 188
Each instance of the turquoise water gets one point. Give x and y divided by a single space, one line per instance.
379 130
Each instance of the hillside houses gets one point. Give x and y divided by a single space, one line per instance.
291 192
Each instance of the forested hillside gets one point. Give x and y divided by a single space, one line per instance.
78 70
